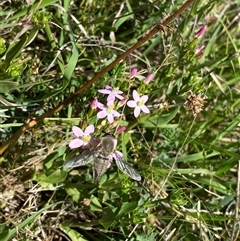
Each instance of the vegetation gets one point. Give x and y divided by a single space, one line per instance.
173 105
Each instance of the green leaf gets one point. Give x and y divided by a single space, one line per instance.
4 232
74 193
48 162
108 218
56 177
15 49
126 208
7 86
95 205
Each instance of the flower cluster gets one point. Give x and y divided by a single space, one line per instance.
109 109
138 103
115 100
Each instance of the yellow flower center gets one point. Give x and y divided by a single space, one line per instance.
86 138
110 108
141 102
116 88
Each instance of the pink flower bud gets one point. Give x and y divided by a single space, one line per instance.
84 123
201 31
133 73
149 78
122 102
199 51
121 129
94 104
200 48
200 54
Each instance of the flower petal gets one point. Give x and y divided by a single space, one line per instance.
117 155
110 102
119 96
136 96
101 114
75 143
132 103
111 98
145 109
144 98
115 113
100 106
104 91
77 131
110 118
118 92
110 162
137 111
115 141
108 87
89 130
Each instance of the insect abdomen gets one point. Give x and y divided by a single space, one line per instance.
99 167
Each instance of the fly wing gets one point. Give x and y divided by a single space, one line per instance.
127 168
80 160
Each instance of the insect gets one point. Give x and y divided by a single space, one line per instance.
102 156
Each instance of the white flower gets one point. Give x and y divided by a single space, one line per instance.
138 103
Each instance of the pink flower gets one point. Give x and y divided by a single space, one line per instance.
84 138
133 73
107 111
149 78
112 93
138 103
201 31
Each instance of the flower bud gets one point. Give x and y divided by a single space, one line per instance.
149 78
199 51
133 73
122 102
121 129
94 104
201 31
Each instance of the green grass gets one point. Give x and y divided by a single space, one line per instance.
189 161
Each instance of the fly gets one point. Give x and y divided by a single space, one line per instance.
102 156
